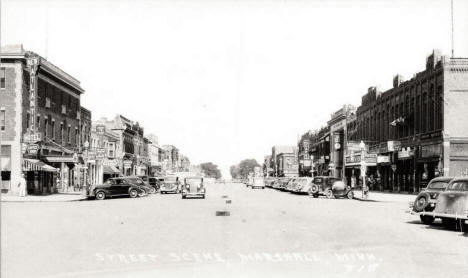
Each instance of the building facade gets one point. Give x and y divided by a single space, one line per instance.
41 126
418 128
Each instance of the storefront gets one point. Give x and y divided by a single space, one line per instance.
358 164
40 177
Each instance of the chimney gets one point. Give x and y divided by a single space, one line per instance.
397 80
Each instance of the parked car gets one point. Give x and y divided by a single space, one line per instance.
151 189
193 187
341 190
452 205
427 198
276 183
258 182
156 182
115 187
291 185
303 185
322 186
283 183
144 185
269 182
170 184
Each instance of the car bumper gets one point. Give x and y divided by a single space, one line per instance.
168 191
193 193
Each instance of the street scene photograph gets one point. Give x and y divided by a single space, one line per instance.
233 138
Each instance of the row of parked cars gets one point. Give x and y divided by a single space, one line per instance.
330 187
444 198
139 186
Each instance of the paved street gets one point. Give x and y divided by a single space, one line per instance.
268 234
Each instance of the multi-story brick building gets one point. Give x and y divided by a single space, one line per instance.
320 151
42 101
304 154
418 128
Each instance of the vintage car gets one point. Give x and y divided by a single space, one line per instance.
427 198
302 185
258 182
144 185
170 184
452 205
291 184
322 185
269 182
193 187
156 182
340 190
283 184
122 186
151 189
276 183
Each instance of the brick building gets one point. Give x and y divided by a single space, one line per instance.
418 128
40 116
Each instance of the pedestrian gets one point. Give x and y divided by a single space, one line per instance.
22 186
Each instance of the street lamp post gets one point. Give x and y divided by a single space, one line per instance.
86 178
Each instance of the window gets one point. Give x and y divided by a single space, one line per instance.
53 129
69 134
38 121
2 120
2 78
77 137
28 116
45 126
61 132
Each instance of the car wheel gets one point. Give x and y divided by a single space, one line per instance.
329 194
100 195
350 195
133 193
427 219
183 196
315 195
153 190
421 202
203 197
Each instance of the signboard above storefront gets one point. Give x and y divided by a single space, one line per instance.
32 137
406 153
431 150
382 159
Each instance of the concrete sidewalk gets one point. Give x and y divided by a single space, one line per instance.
58 197
385 197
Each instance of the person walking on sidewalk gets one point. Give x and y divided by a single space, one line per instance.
22 186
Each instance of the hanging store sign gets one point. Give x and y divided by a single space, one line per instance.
32 149
393 146
127 164
405 153
381 159
32 137
431 150
370 158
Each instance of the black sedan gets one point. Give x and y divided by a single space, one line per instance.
114 187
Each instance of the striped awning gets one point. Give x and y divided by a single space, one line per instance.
37 165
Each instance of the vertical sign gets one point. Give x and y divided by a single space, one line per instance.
33 66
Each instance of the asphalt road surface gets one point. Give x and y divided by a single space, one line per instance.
267 234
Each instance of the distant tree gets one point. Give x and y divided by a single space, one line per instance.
242 170
210 170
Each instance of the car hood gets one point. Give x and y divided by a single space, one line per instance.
452 202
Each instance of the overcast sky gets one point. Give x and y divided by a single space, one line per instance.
226 80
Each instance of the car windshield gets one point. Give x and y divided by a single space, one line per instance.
193 180
437 185
318 180
458 186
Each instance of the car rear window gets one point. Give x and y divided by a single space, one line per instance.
438 185
318 180
458 186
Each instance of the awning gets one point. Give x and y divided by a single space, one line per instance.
59 159
110 170
37 165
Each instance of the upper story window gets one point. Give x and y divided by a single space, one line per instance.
2 120
69 134
53 130
2 78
